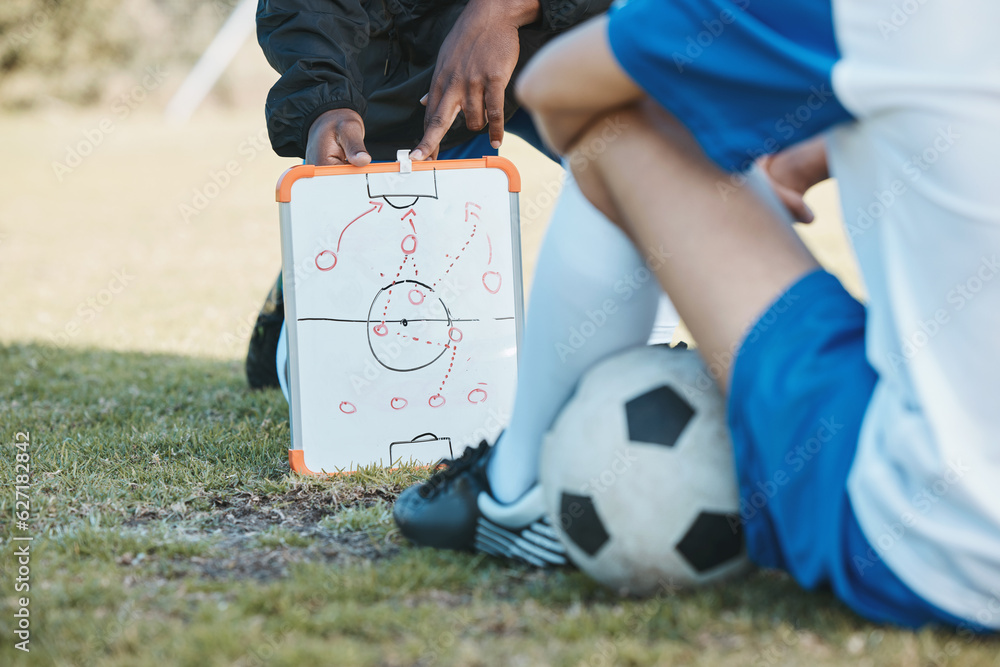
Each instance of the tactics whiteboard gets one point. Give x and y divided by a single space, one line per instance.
403 305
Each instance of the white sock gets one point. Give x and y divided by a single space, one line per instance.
667 321
592 297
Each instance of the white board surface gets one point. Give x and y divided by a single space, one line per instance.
403 303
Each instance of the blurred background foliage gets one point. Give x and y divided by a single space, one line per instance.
87 52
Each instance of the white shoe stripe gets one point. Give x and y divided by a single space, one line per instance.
497 547
511 549
545 530
486 547
554 546
500 538
518 544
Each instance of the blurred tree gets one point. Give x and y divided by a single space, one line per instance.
85 52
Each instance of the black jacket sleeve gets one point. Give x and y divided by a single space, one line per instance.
558 15
313 45
325 49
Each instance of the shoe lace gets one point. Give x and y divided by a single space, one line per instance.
447 469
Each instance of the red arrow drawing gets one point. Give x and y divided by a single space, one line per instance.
407 215
377 207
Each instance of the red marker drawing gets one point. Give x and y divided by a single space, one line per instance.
492 281
413 243
347 408
457 255
406 215
398 403
327 263
472 213
436 401
377 207
477 396
388 299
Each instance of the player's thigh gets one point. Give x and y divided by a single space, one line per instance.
723 254
578 72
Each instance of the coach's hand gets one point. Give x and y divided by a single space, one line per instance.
337 137
473 69
795 170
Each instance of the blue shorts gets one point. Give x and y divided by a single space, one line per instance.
801 385
747 78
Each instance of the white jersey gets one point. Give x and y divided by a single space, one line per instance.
920 186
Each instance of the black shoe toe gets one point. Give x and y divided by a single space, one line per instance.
444 518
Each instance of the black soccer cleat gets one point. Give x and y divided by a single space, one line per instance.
455 509
262 371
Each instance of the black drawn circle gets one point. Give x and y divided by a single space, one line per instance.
420 354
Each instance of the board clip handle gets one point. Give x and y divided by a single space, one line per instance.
405 164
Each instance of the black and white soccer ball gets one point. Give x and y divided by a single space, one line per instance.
639 478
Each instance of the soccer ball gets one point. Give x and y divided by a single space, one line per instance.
639 478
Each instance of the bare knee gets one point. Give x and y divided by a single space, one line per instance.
530 87
622 129
592 185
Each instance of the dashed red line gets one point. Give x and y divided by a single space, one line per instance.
388 297
457 255
429 342
451 365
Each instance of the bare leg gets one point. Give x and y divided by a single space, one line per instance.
731 255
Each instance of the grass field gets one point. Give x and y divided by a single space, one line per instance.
167 528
